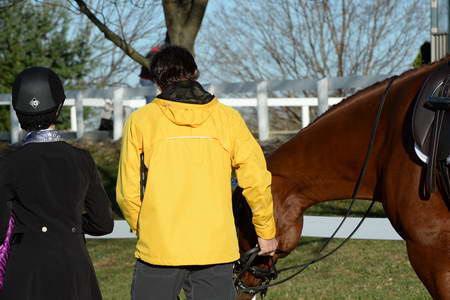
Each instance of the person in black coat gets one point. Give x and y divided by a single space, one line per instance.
55 195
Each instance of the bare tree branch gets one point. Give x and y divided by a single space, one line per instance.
134 26
294 39
297 38
117 40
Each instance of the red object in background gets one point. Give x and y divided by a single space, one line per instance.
145 73
153 50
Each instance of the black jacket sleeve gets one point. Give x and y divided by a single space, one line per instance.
6 196
97 219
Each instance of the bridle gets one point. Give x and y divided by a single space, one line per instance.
245 263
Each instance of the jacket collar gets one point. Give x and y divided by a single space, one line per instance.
186 92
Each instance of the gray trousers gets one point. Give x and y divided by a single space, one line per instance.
211 282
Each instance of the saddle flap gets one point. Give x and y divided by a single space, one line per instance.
424 113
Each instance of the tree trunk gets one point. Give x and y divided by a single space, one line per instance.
183 21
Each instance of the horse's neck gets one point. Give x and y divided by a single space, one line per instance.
324 160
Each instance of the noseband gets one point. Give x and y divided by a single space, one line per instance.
245 264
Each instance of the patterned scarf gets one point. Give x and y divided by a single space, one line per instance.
42 136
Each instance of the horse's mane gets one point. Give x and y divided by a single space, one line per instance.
345 101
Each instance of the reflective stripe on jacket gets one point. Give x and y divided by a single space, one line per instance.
190 150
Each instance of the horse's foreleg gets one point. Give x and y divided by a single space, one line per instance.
432 265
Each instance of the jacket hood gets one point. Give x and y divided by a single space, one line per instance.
186 114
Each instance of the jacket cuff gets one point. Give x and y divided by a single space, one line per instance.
268 232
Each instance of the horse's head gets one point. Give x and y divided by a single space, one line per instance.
251 272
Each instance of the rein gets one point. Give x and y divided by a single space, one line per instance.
244 264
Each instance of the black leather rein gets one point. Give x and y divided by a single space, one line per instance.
244 264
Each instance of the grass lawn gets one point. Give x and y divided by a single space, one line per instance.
362 269
340 207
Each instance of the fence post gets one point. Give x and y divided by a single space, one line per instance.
118 113
263 110
322 95
79 114
73 118
305 116
15 126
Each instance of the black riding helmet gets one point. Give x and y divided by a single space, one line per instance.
36 91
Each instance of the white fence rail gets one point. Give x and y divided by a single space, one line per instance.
256 95
371 229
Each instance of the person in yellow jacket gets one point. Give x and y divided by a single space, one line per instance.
184 224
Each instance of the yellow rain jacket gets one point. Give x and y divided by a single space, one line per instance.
186 215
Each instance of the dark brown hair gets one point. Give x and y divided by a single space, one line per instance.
173 64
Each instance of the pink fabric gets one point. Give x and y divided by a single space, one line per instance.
4 250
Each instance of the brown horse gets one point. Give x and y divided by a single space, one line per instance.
322 163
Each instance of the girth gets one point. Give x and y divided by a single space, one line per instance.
431 129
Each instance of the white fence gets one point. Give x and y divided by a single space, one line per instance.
256 95
371 229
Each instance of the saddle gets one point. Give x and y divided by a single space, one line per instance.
431 129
